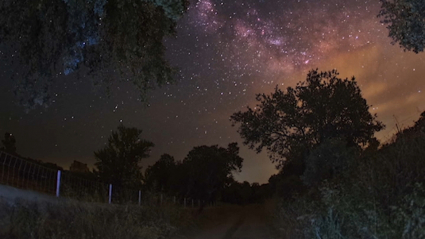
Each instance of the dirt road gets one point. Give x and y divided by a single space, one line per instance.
234 222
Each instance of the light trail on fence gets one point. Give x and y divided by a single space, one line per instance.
32 175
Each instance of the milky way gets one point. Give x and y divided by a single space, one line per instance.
228 51
279 37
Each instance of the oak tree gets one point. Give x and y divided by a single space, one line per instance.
118 162
207 169
405 21
160 175
290 123
111 39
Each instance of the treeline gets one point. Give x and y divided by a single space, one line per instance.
246 193
204 174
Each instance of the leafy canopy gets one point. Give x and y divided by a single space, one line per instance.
290 123
112 39
118 162
208 168
9 143
160 175
328 160
405 21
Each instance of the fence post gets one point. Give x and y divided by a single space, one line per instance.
14 170
8 173
110 193
140 197
58 183
174 200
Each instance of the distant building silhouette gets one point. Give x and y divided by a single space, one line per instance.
79 167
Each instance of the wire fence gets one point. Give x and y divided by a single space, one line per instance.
28 175
23 174
76 186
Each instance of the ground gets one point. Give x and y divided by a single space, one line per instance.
217 222
233 222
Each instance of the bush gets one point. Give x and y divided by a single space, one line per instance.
380 194
411 213
328 160
332 212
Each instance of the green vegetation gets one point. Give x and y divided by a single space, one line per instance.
108 40
72 220
381 194
118 161
405 21
158 177
335 179
201 176
289 124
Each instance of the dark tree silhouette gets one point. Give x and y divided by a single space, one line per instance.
160 175
245 193
208 168
328 160
9 143
79 167
118 162
113 39
289 124
287 182
405 21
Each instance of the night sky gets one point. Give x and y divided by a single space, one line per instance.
227 52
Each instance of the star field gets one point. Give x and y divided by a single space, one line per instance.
227 51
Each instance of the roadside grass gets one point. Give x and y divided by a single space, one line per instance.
72 219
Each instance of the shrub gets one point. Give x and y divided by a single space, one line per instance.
411 214
328 160
378 195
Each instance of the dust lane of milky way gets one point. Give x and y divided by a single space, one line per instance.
228 51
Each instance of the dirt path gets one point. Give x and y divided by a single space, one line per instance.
248 222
